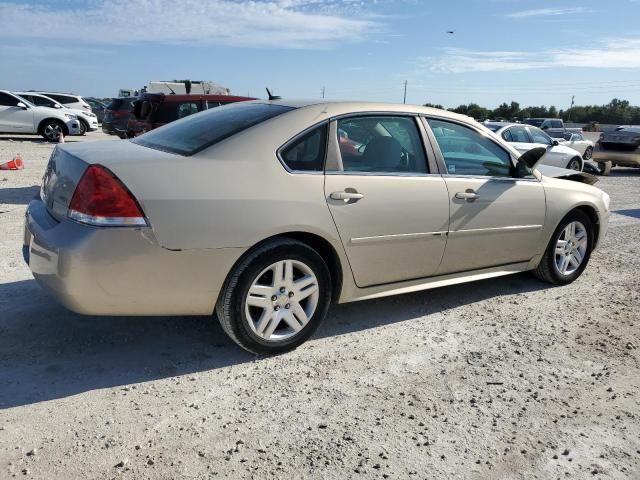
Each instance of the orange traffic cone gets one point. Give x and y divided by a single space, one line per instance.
15 164
61 138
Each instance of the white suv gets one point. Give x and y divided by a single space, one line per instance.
20 116
88 121
68 100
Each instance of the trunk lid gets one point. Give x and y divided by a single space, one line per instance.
128 161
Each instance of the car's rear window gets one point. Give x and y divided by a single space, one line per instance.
124 103
197 132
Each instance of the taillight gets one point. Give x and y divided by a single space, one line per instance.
102 199
120 113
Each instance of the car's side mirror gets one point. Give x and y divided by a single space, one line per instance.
545 127
22 105
531 158
555 143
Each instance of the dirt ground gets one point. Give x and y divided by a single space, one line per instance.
505 378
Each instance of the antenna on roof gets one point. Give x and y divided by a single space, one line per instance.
272 96
169 87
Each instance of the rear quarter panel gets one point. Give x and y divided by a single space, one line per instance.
234 194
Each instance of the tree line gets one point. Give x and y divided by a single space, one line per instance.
615 112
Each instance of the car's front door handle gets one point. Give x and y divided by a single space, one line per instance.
344 195
471 196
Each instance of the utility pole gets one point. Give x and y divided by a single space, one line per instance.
322 92
405 92
573 102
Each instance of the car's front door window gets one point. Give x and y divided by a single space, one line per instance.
540 137
467 152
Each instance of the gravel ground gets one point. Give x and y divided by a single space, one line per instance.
505 378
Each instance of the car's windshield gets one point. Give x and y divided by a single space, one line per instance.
493 127
197 132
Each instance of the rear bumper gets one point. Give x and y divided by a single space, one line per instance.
120 271
624 158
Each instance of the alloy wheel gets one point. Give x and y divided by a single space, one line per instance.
588 153
571 248
52 131
281 300
574 164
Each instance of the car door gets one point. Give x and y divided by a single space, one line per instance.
554 156
14 119
496 218
389 203
519 138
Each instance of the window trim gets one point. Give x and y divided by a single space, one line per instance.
288 143
440 156
334 158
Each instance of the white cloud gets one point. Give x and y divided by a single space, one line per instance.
548 12
615 53
258 23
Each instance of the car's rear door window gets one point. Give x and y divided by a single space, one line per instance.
467 152
197 132
381 144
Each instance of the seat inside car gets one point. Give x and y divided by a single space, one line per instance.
382 154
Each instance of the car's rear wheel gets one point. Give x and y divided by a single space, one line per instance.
605 168
276 297
569 250
51 130
588 153
575 164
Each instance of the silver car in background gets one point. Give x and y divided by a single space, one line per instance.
265 212
524 137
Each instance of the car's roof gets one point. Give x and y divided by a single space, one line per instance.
345 107
183 97
55 93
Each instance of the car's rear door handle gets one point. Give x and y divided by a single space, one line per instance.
344 195
467 195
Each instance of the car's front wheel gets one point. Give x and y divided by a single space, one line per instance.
575 164
276 297
51 130
569 250
83 127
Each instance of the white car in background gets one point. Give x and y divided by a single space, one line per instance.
69 100
18 115
579 143
525 137
88 120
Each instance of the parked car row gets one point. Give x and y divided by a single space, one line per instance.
18 115
129 117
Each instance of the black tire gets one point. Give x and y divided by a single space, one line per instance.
605 168
51 129
230 306
588 153
547 270
83 127
575 164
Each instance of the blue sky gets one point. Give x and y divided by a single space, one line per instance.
532 52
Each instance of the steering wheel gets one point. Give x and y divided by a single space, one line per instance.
404 158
